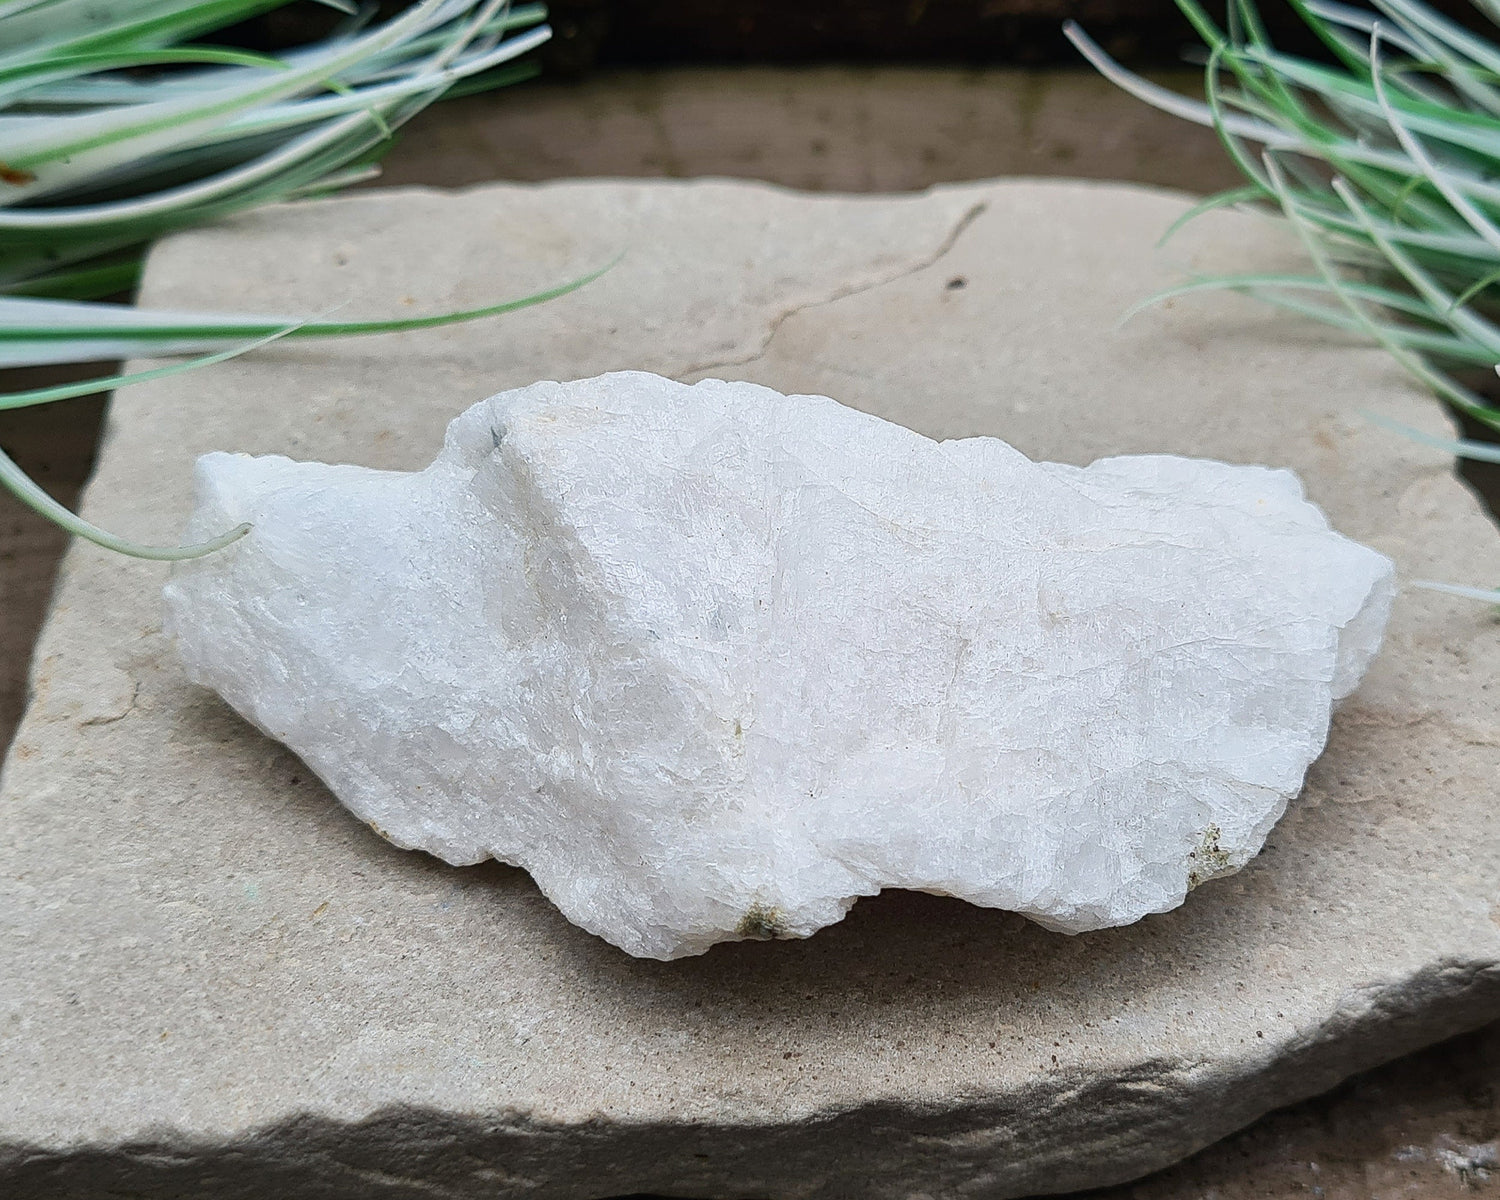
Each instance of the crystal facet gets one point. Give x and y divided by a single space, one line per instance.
711 662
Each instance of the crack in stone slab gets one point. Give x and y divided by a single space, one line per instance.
111 718
968 217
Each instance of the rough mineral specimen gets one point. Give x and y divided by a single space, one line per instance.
711 662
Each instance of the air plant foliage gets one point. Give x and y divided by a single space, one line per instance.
117 125
1384 156
111 133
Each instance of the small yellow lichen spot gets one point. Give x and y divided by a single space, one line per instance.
762 923
1209 859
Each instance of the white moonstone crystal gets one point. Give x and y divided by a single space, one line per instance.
711 662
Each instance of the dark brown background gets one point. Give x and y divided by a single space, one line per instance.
589 34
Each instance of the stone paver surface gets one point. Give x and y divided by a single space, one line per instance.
221 982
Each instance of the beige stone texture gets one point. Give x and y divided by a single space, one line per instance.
216 982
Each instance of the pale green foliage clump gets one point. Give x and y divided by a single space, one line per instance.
113 131
1385 159
116 127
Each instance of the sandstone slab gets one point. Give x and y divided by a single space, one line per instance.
214 981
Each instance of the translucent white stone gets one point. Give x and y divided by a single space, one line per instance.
711 662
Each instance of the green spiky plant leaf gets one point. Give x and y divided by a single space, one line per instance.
112 132
1384 159
117 126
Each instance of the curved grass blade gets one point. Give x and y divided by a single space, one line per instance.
1454 589
37 331
1225 199
24 488
29 493
1458 447
92 387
